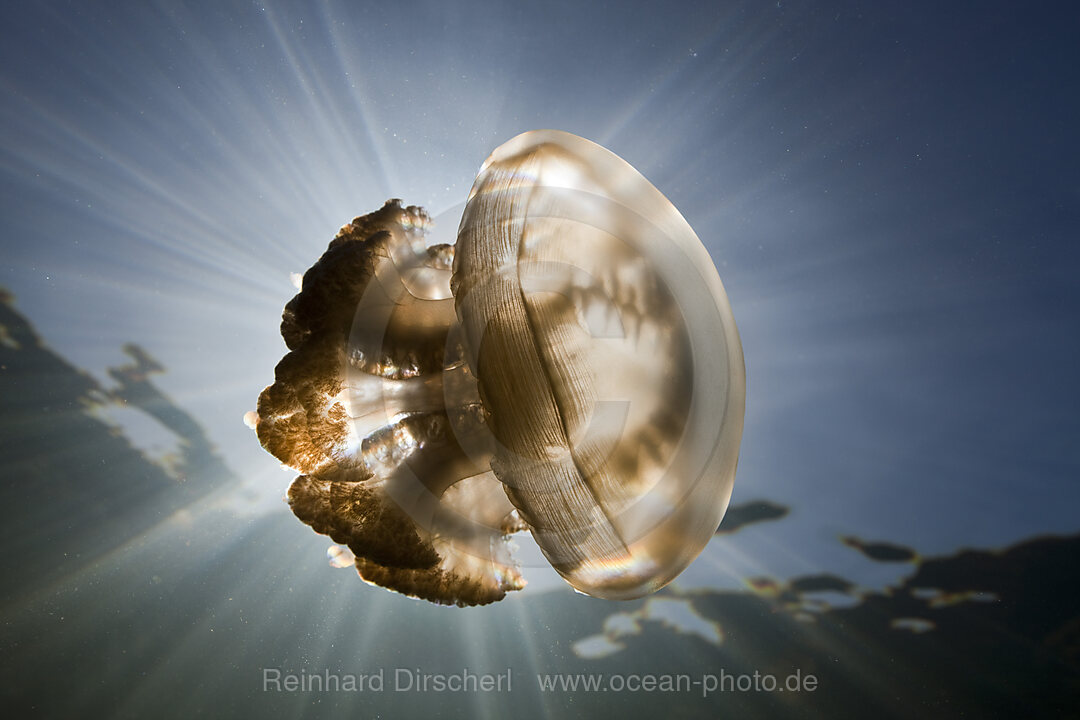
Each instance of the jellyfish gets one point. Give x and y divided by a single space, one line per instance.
570 367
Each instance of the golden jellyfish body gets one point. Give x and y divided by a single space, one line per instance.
569 367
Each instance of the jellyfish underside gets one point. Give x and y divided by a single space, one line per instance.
569 367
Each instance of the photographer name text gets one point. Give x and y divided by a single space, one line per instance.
384 680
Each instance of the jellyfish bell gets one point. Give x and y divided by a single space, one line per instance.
570 367
607 356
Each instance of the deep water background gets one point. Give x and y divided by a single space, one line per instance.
890 193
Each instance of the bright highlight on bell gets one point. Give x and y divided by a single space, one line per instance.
569 367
